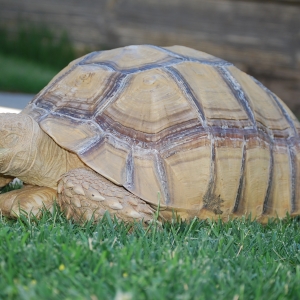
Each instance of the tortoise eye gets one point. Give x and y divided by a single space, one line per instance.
11 140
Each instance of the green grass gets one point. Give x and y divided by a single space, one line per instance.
53 258
19 75
31 55
37 43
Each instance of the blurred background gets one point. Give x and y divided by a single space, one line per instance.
39 37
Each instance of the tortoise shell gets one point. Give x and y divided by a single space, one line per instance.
179 122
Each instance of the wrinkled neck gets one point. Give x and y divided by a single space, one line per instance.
40 161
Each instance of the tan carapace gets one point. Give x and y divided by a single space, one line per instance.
125 129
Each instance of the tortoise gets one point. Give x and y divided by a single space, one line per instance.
128 130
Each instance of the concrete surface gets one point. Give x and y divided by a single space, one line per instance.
13 103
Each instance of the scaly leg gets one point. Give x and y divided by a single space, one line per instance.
83 194
29 199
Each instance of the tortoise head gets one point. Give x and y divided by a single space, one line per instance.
16 134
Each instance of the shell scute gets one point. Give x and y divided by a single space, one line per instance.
130 57
150 108
265 109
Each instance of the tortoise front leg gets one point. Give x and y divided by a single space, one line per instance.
83 194
29 199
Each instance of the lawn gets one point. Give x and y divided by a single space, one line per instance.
53 258
30 57
21 75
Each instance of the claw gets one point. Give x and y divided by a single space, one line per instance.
132 201
60 187
145 209
68 193
69 213
115 205
133 214
67 199
86 185
64 179
88 214
94 195
101 211
79 190
76 202
69 184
